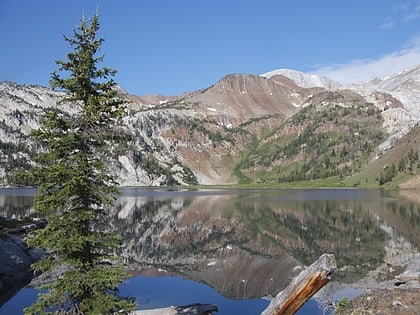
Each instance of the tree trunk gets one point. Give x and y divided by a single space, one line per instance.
306 284
192 309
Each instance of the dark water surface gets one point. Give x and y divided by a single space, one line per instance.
233 247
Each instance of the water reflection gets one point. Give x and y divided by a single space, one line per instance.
16 203
249 243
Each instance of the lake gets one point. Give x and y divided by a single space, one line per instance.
236 247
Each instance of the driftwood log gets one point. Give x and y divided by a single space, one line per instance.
287 302
192 309
305 285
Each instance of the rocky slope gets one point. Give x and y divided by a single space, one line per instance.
203 137
403 87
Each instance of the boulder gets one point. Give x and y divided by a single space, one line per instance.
15 264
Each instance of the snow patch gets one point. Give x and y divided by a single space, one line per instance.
305 80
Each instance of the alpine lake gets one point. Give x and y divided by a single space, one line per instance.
238 247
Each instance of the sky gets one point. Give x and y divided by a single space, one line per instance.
170 47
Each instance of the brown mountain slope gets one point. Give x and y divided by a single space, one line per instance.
239 97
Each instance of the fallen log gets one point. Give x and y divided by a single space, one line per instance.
287 302
192 309
305 285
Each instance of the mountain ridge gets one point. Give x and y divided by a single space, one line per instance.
302 79
202 137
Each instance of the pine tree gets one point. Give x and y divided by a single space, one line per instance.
75 189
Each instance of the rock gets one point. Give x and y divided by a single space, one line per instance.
191 309
15 264
385 302
14 254
412 272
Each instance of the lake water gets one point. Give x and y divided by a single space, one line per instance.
234 247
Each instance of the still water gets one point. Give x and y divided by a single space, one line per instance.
235 247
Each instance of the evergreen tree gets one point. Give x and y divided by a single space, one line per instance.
75 189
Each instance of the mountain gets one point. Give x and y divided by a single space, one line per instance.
405 86
237 98
278 127
304 79
401 93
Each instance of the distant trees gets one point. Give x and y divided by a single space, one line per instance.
388 175
318 142
75 189
409 162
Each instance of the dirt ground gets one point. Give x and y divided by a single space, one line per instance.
396 301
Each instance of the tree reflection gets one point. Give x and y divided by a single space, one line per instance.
15 206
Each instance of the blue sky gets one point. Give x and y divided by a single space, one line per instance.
173 46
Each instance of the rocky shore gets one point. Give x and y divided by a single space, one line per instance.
15 266
399 295
395 301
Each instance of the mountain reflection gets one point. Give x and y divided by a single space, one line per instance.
249 243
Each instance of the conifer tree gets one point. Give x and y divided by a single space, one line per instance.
75 189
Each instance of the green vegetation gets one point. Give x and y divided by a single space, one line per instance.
410 162
75 189
16 160
392 168
323 140
341 305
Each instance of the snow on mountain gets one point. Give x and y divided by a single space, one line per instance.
405 86
302 79
385 93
